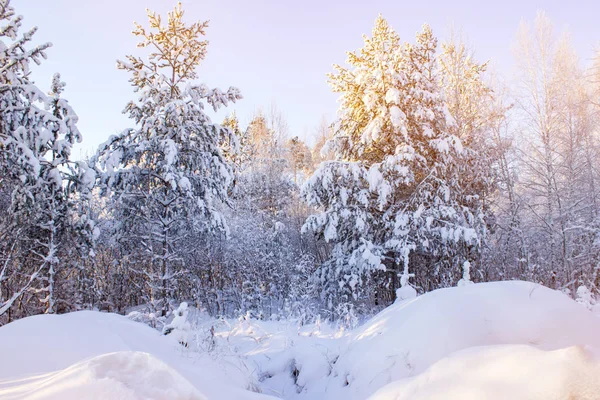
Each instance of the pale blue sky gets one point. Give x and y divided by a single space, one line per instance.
274 51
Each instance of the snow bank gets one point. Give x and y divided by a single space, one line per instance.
408 337
122 376
49 343
468 341
503 372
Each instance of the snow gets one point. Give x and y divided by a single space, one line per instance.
179 328
88 177
397 117
125 375
408 337
393 96
185 184
503 372
466 279
483 340
46 344
170 149
405 292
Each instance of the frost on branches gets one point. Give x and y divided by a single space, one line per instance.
41 230
166 177
391 203
264 268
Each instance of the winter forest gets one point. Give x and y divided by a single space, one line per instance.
435 173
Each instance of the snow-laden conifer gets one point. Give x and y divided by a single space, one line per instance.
167 175
41 228
391 201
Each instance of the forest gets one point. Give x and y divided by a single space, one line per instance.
435 173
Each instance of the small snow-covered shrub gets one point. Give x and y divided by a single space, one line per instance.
148 318
179 328
466 279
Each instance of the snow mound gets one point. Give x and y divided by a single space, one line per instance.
407 338
503 372
121 375
472 342
48 343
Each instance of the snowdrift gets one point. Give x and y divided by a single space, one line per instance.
406 338
49 343
118 376
503 372
505 339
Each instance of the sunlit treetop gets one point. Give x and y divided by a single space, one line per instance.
176 50
390 101
363 87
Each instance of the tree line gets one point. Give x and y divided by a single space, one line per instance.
435 173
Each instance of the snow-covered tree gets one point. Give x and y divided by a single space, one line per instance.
41 229
391 201
559 158
477 114
585 297
300 158
322 151
265 180
168 175
263 267
466 277
236 151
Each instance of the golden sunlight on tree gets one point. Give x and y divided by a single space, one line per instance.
174 46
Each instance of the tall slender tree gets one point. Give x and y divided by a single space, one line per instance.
167 176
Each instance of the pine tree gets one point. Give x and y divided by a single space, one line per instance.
365 130
236 151
168 176
391 200
300 158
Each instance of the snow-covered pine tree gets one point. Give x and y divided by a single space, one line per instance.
39 227
235 151
179 328
167 176
390 201
299 159
476 113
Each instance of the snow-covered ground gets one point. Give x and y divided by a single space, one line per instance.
503 372
47 343
492 340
